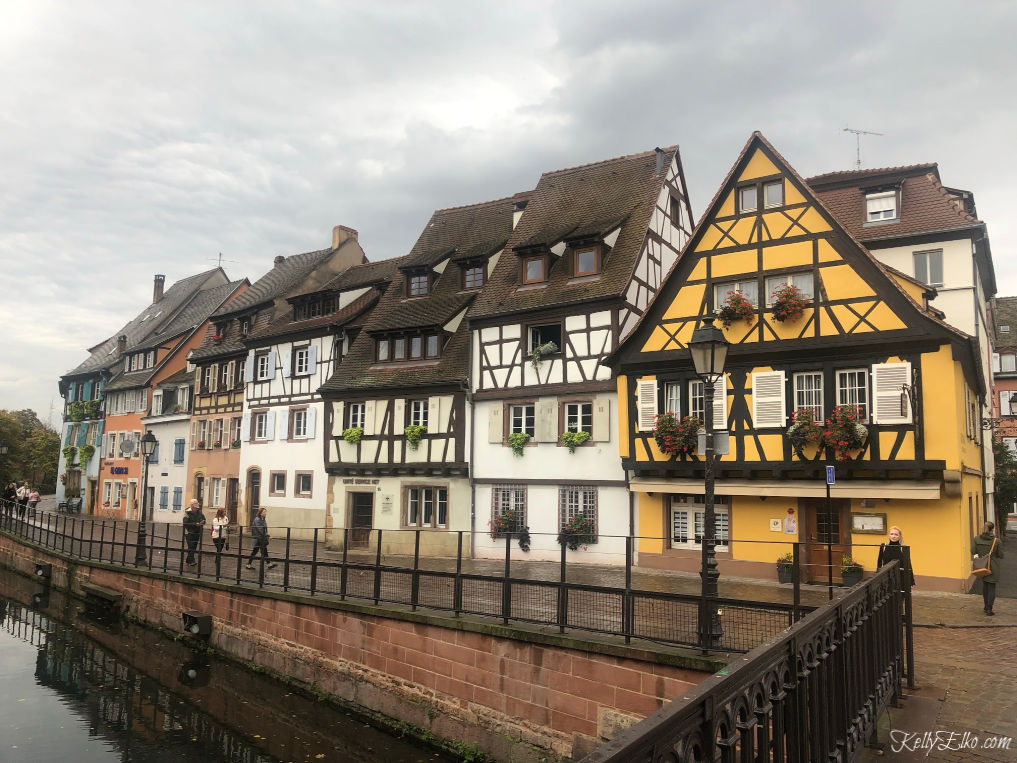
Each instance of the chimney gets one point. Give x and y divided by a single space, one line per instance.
121 344
341 233
279 259
660 159
160 282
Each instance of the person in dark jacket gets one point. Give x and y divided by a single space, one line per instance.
982 545
259 534
194 521
894 550
10 498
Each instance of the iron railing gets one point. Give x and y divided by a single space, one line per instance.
553 602
813 693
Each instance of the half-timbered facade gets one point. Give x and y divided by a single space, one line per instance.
295 333
398 420
860 344
590 249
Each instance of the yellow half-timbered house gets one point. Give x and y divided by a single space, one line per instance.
865 341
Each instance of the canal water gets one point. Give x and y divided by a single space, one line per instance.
73 688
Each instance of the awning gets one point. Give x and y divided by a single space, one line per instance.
928 490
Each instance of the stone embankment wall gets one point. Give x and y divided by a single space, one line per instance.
516 694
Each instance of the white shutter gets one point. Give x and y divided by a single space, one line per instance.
271 364
369 427
213 385
249 369
995 362
720 405
286 356
888 380
646 397
312 415
768 399
546 426
312 359
495 424
194 434
601 420
245 426
338 412
270 425
197 379
230 375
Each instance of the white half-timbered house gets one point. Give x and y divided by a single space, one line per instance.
398 419
590 250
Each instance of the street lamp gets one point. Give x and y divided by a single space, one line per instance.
709 351
148 444
3 447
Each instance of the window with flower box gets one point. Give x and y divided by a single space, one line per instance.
508 508
801 281
853 389
809 393
417 413
356 414
749 289
522 419
576 502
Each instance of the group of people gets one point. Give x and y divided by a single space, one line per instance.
194 521
22 497
984 545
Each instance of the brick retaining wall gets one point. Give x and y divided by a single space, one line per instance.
516 694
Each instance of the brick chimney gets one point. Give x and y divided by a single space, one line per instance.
341 233
121 344
660 159
279 260
160 283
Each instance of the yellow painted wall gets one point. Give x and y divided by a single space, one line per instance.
943 403
623 416
650 518
750 524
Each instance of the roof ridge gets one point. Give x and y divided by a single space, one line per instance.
478 203
873 171
623 157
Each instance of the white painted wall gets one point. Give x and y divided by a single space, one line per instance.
164 473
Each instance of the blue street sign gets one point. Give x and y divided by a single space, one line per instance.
830 477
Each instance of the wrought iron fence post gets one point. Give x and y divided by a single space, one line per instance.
796 583
314 562
377 571
183 543
165 546
240 552
63 536
627 603
286 563
457 590
91 537
563 594
102 540
201 543
342 568
506 586
123 553
415 577
909 634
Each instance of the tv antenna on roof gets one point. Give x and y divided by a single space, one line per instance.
219 261
858 143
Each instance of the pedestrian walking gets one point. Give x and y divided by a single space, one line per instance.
895 550
10 499
986 545
220 527
194 520
259 536
23 491
33 501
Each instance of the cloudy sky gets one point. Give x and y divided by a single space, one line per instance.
143 138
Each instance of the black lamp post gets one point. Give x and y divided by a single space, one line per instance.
709 352
148 443
3 447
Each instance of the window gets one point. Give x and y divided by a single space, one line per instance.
178 450
542 336
418 413
773 193
809 392
509 499
183 395
178 498
157 402
426 506
107 493
1004 329
300 361
748 199
298 423
672 398
749 290
586 262
697 399
579 417
235 424
111 445
929 267
473 275
304 482
416 347
277 483
218 432
245 325
356 414
150 359
853 389
215 491
262 367
1008 362
382 350
208 379
399 349
534 269
802 280
261 426
225 382
575 501
432 346
117 492
1011 443
163 498
880 206
200 434
419 284
688 513
522 419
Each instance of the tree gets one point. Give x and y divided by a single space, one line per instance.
1006 480
33 450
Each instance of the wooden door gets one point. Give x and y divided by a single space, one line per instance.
253 492
232 491
361 519
826 533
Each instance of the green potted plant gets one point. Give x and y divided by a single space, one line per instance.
217 444
580 529
785 567
510 522
844 432
353 435
676 437
788 303
573 440
235 443
69 452
85 454
850 571
517 441
92 409
414 433
538 352
736 307
804 431
201 444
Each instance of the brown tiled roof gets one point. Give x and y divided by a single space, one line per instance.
286 325
367 274
449 231
276 282
589 200
1004 313
194 314
867 177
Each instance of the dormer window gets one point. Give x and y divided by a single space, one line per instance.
880 206
418 283
773 193
586 261
748 199
245 326
534 268
473 275
410 347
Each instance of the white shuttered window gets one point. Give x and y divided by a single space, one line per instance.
646 393
888 380
768 409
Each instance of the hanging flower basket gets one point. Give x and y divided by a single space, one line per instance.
804 430
844 432
788 302
676 437
736 307
414 433
352 435
517 441
573 440
85 454
579 530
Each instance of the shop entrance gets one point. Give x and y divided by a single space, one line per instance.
826 533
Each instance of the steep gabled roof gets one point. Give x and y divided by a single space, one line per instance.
286 274
1004 313
569 204
197 311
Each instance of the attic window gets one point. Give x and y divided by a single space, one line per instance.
245 325
410 347
534 269
773 193
586 261
748 199
418 284
880 206
473 275
1004 329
